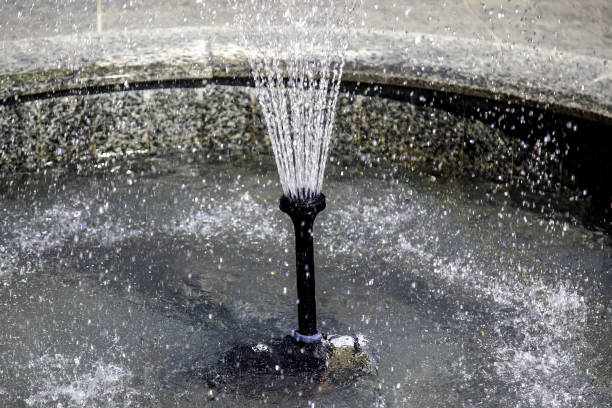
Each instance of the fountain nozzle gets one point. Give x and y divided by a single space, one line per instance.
303 213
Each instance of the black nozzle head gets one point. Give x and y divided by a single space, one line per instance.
310 206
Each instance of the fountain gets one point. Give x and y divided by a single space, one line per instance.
296 54
465 260
297 67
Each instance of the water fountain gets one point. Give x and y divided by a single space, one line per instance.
467 248
296 54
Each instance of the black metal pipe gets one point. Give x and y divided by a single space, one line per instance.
303 213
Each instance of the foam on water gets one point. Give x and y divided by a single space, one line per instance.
64 221
77 218
544 368
63 383
8 260
32 231
242 217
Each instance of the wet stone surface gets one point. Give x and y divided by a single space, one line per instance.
512 145
70 130
283 365
576 82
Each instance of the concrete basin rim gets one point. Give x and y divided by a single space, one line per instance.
354 82
222 59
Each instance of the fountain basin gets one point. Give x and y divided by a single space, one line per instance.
141 241
525 150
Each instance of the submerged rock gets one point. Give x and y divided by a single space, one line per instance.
283 366
348 359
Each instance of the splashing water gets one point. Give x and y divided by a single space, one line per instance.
296 52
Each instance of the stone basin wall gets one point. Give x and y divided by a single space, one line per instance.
72 130
536 118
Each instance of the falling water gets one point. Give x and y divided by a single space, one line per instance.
296 52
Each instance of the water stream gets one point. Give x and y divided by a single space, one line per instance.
296 51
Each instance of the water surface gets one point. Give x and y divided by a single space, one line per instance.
119 285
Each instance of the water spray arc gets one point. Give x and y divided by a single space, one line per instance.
296 52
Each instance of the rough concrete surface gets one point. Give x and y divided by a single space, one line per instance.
546 52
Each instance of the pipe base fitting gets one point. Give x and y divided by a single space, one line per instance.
315 338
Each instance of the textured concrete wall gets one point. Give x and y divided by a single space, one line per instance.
90 129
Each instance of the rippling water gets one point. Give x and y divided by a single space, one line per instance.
118 285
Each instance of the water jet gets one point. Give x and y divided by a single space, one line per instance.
297 69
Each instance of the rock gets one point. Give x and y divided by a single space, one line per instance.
282 366
348 359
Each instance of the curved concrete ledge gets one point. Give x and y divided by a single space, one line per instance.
566 83
543 125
